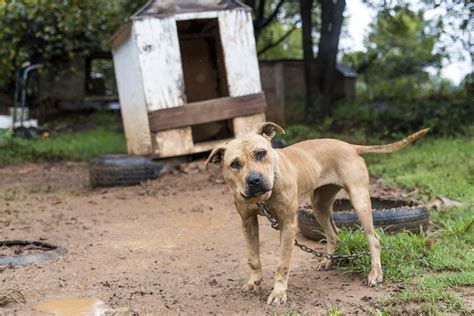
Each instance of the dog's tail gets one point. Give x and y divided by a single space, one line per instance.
382 149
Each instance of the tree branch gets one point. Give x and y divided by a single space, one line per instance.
277 42
365 65
267 21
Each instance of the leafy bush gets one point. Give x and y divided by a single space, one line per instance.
391 118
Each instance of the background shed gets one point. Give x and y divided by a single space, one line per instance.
283 83
187 76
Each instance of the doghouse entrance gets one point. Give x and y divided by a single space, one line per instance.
204 72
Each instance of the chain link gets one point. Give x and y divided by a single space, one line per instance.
263 210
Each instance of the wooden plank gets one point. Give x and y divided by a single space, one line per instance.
132 97
175 142
240 53
197 148
160 61
206 111
245 124
208 146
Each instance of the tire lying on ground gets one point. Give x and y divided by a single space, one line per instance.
390 215
120 170
40 251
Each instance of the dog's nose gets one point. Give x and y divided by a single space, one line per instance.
254 179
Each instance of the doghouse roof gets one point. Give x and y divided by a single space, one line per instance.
167 8
346 71
160 8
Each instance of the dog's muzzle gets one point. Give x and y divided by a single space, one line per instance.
256 185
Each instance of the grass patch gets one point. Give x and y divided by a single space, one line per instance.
98 136
437 167
74 146
405 255
434 301
432 294
435 262
334 311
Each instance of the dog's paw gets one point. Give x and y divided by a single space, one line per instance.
251 286
375 277
324 264
277 297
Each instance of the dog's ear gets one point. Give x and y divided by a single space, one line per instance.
268 129
216 156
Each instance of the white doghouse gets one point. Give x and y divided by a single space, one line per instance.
187 75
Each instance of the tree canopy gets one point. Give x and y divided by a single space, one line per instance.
400 54
52 31
402 50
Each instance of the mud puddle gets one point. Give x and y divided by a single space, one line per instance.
73 307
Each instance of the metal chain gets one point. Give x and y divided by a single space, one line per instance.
262 206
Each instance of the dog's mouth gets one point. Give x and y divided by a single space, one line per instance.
255 194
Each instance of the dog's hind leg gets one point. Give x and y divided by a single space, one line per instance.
322 202
360 199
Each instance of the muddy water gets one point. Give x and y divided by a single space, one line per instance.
73 307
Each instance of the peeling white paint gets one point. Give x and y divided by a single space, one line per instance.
240 54
160 62
132 98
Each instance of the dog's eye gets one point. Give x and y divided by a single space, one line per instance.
260 154
235 165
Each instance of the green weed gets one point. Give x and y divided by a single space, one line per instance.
334 311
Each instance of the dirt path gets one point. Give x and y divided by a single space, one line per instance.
169 245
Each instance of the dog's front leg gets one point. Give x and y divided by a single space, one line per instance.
250 228
287 239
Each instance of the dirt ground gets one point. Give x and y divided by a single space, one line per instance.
172 245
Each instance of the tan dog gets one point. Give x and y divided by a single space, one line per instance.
319 169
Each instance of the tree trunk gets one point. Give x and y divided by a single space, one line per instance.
331 24
306 7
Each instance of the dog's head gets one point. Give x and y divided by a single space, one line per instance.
248 163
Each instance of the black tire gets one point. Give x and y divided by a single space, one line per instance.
409 217
120 170
50 252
